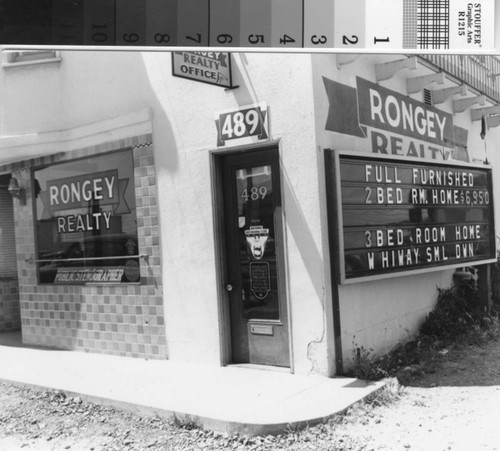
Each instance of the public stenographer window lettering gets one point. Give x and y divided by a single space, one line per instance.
86 222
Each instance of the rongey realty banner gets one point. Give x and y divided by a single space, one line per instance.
394 123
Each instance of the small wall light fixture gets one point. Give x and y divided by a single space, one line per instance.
16 191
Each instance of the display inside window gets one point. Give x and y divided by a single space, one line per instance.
86 221
259 274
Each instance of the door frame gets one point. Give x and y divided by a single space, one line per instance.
216 157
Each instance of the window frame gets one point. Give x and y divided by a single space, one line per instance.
16 58
86 240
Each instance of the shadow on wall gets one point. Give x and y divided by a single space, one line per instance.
122 82
155 75
297 223
97 87
246 93
295 218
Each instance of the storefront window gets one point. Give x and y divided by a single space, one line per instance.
86 224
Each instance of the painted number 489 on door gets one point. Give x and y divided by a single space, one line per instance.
248 124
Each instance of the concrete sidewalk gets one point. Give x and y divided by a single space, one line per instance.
247 400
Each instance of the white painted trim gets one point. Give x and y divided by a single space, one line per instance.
21 147
32 63
10 60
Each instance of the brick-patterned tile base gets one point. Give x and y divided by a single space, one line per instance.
10 314
126 320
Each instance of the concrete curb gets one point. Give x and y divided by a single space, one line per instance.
209 423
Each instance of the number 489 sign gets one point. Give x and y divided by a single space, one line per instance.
245 125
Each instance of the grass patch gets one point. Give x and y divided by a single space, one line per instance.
186 422
457 321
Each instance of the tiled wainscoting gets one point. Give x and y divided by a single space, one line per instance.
121 319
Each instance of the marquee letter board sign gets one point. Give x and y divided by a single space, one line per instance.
398 216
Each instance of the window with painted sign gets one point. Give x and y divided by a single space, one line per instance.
86 222
399 215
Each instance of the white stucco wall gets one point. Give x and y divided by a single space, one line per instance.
93 89
90 88
284 83
377 315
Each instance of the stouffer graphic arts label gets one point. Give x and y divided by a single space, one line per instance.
471 24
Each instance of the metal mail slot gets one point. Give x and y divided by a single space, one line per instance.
261 329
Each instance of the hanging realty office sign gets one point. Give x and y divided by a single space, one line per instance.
395 215
393 123
207 67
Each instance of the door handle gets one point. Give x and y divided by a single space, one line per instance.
229 287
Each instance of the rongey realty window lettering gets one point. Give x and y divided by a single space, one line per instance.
68 194
86 220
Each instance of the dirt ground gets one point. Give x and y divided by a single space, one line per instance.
457 407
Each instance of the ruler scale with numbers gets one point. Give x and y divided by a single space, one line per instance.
293 25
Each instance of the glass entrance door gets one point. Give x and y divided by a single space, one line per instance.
253 260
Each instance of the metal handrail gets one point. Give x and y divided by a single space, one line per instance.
481 72
123 257
48 260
